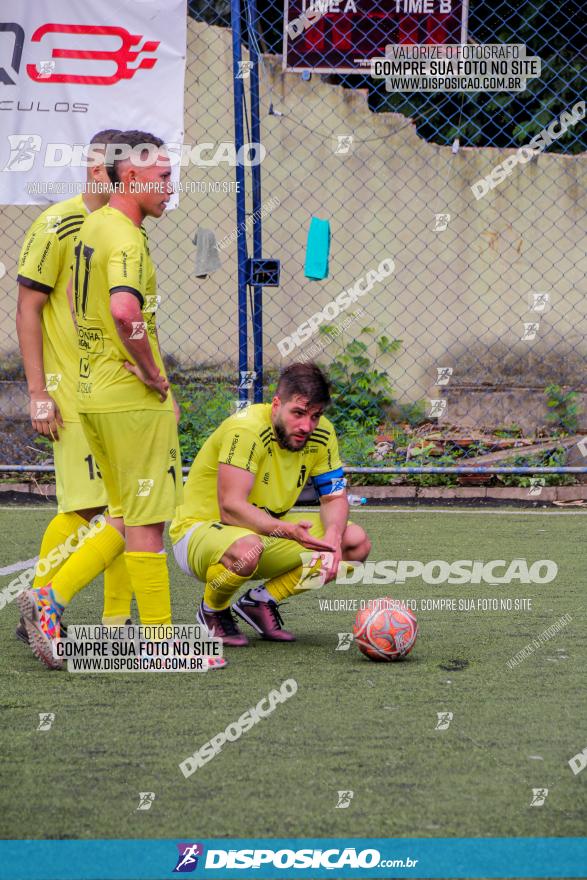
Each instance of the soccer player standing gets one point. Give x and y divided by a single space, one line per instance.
49 348
236 524
124 403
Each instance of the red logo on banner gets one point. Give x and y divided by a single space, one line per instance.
126 54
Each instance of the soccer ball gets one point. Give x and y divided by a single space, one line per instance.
385 630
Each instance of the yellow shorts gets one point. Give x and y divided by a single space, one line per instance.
139 458
206 543
78 481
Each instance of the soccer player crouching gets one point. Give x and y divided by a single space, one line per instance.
235 522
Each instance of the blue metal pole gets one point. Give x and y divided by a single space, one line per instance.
257 223
235 11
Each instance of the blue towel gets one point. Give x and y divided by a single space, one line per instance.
317 249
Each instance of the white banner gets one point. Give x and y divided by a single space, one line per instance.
71 68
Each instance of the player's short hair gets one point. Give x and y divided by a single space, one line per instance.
101 140
105 136
130 139
306 380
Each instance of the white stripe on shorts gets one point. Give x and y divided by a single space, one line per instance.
180 550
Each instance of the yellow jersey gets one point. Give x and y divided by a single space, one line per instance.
246 440
45 265
112 254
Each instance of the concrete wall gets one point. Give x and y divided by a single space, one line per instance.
457 298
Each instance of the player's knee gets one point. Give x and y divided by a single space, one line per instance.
364 548
356 543
243 555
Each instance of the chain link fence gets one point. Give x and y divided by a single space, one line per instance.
453 315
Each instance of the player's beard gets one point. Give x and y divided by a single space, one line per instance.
284 438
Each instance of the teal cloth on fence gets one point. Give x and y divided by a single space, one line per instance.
317 249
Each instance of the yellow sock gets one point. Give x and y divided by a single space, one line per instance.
117 593
94 554
57 532
284 585
149 577
291 582
221 585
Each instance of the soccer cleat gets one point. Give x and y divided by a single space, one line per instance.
264 617
215 663
42 618
22 635
221 625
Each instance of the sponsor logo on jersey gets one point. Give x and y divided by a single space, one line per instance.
232 450
90 339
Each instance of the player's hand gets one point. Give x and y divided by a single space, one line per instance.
330 563
157 383
300 532
45 416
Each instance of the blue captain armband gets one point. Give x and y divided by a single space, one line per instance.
331 483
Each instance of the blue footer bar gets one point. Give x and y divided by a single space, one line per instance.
289 858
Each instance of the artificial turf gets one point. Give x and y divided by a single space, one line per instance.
352 725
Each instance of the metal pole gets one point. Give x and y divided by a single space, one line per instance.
257 222
235 11
464 22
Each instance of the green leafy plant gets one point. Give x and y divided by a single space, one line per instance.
564 408
412 413
202 410
551 458
507 431
361 393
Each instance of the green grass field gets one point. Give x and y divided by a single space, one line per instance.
353 724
